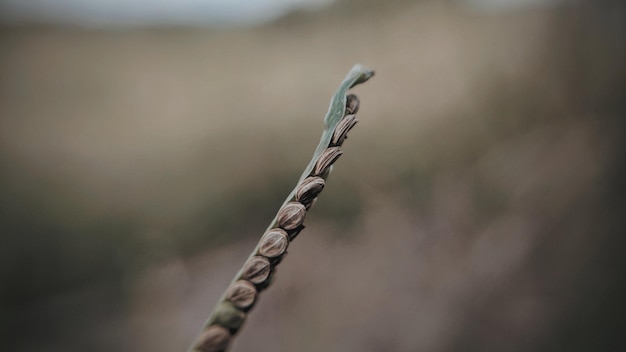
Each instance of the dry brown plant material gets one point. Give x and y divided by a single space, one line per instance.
241 293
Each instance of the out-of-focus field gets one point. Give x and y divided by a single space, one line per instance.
478 205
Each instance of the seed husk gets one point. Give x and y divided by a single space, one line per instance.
256 270
326 159
242 294
309 189
273 243
344 126
291 215
214 339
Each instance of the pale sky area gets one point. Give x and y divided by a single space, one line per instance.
112 13
150 12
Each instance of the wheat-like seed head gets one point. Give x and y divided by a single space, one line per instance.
257 273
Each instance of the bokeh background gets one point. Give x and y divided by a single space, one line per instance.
145 146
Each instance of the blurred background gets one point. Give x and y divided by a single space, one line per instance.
146 145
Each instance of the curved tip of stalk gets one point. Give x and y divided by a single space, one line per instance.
363 74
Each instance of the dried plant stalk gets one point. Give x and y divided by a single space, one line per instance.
230 312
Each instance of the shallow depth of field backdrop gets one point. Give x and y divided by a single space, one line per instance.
477 206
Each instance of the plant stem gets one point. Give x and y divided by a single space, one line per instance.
230 312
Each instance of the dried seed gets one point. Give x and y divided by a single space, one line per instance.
273 243
214 339
256 270
326 159
341 132
309 189
291 215
242 293
352 104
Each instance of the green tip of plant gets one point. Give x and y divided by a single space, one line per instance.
363 74
358 74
